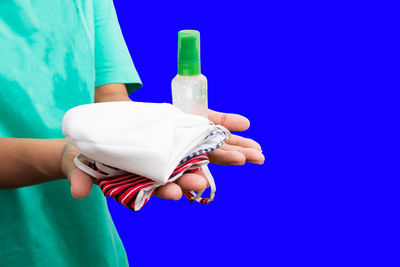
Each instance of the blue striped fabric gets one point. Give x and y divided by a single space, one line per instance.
220 142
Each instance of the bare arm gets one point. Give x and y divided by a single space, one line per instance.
25 161
111 92
33 161
29 161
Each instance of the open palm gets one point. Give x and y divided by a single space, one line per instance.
236 151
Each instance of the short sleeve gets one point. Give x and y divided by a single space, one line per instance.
112 59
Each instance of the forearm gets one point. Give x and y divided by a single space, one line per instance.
111 92
25 162
29 161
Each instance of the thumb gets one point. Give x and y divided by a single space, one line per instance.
81 183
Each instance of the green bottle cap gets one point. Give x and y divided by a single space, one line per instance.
188 53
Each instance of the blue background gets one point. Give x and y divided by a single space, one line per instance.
305 75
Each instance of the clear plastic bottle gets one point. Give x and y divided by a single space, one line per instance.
189 93
189 87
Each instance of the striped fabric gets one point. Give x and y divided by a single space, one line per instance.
191 197
209 146
133 191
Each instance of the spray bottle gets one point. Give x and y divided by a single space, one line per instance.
189 87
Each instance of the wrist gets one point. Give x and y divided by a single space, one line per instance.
49 162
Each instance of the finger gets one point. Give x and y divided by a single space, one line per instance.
194 181
81 183
252 155
243 142
223 157
232 122
169 191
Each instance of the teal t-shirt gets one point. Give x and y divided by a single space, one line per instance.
53 54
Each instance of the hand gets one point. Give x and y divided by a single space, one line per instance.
236 151
81 183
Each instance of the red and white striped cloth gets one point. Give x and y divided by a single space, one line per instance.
132 148
133 191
